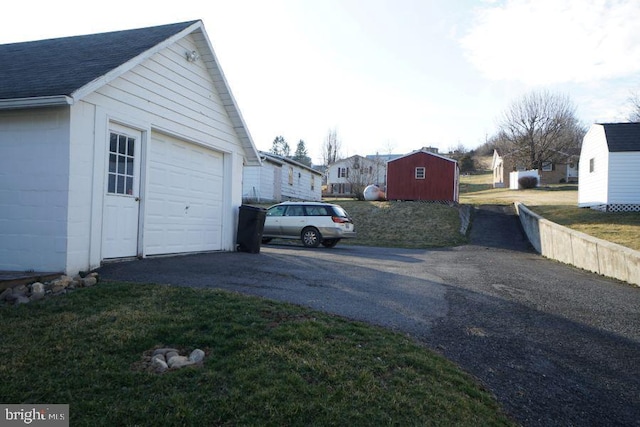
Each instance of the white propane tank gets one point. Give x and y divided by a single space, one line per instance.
373 192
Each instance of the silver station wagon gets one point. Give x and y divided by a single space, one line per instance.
313 223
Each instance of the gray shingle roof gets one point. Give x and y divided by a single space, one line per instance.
622 136
61 66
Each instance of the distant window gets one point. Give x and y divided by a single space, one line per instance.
290 175
342 172
592 165
547 166
313 182
420 173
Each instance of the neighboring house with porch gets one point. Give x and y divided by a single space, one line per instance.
610 167
117 145
280 178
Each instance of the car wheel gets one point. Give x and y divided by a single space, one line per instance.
310 237
266 240
329 243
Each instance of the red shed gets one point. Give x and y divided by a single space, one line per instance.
422 175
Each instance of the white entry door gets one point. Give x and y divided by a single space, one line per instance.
122 193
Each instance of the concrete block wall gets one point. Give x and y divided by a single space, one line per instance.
569 246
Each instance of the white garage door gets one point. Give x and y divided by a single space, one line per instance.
183 209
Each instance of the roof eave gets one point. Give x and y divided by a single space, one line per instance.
36 102
210 59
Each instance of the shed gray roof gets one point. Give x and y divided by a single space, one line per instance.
622 137
57 67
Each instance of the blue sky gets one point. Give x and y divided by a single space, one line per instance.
389 76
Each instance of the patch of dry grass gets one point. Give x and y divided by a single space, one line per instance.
622 228
477 190
404 224
557 203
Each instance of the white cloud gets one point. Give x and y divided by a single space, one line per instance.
554 41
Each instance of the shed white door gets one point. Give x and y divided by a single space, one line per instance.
183 210
121 200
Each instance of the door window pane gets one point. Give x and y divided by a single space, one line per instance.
121 164
113 143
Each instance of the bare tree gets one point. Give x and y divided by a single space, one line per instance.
634 100
331 147
540 127
361 173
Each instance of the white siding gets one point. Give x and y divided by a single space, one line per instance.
165 93
270 182
174 95
258 182
34 189
81 157
300 187
251 183
592 187
379 169
624 178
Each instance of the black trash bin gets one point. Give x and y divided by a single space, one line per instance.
250 227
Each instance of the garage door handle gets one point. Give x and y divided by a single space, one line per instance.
137 199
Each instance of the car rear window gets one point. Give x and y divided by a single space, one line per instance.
340 212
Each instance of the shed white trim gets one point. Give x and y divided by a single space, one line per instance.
43 101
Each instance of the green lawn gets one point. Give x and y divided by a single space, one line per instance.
266 363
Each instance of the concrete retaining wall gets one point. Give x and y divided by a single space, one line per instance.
581 250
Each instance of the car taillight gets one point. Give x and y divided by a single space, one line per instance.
339 219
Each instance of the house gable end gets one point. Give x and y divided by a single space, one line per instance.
42 68
38 72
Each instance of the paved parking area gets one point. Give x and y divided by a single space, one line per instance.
556 345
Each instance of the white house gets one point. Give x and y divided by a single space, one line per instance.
564 169
280 178
117 145
355 171
610 167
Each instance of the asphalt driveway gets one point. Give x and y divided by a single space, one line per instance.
556 345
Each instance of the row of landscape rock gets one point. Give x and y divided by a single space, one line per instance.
170 358
24 294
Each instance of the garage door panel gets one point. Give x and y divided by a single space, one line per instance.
184 209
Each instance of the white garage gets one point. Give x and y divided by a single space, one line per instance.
183 209
138 152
